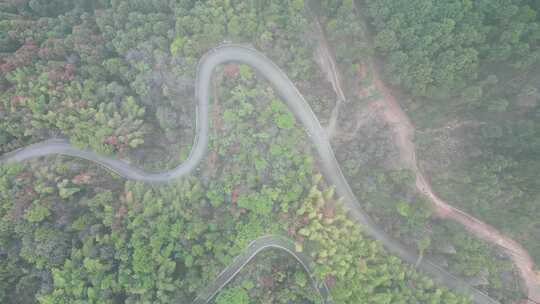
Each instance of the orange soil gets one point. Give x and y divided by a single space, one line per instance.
390 111
404 131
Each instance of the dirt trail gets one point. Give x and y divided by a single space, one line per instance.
390 111
325 60
404 131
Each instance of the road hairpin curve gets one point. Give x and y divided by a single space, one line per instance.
303 112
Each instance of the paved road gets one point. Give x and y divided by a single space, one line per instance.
303 112
255 247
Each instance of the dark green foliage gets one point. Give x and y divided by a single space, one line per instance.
233 296
440 46
475 63
37 206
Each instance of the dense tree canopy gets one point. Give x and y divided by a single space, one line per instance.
473 61
439 47
117 76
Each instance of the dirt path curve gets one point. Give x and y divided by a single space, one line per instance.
325 59
404 131
391 112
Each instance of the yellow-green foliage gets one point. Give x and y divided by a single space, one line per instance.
358 269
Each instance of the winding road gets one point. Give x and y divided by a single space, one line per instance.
255 247
303 112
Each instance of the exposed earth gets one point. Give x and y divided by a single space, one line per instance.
387 108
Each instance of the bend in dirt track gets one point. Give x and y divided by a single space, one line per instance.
404 131
325 59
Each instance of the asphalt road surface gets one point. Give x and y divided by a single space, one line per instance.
303 112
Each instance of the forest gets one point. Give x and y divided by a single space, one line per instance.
470 69
118 76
